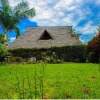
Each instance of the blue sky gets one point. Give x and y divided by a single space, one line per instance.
83 15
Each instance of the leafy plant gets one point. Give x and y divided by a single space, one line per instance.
54 54
15 60
94 46
2 38
3 53
10 17
93 57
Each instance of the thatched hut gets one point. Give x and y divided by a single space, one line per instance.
46 37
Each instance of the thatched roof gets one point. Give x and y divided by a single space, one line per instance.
45 37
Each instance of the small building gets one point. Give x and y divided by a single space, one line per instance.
46 37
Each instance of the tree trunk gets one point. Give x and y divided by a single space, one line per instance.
5 37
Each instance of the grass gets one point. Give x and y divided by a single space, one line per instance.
63 81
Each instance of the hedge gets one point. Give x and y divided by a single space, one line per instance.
66 53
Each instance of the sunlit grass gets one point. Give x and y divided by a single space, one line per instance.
68 80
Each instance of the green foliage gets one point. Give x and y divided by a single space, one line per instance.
70 53
2 38
3 53
18 59
98 28
54 54
10 17
52 59
93 57
55 81
94 46
77 60
15 60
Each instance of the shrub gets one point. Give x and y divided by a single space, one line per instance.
18 59
48 59
15 60
3 53
2 38
93 57
77 60
52 59
94 44
54 54
11 60
93 48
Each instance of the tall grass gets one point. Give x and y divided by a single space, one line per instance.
18 86
59 81
23 86
35 82
29 86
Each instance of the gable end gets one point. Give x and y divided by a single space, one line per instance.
45 36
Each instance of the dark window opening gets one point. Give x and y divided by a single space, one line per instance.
45 36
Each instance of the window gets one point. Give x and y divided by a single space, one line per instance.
45 36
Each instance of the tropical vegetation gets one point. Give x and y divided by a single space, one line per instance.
53 54
2 38
93 48
3 51
10 17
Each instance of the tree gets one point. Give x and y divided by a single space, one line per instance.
3 53
10 17
2 38
98 28
94 45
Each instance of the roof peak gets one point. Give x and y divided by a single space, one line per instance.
45 36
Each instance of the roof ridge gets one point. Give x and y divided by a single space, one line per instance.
47 26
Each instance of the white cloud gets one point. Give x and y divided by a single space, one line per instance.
14 2
12 39
55 12
82 40
60 13
89 28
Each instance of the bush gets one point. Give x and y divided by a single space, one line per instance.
3 53
77 60
52 59
11 60
18 59
54 54
94 44
15 60
93 57
93 48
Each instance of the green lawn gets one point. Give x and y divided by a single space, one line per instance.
68 80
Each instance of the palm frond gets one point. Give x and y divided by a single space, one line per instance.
4 3
5 6
2 38
27 14
21 7
8 22
22 11
0 11
17 31
9 17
